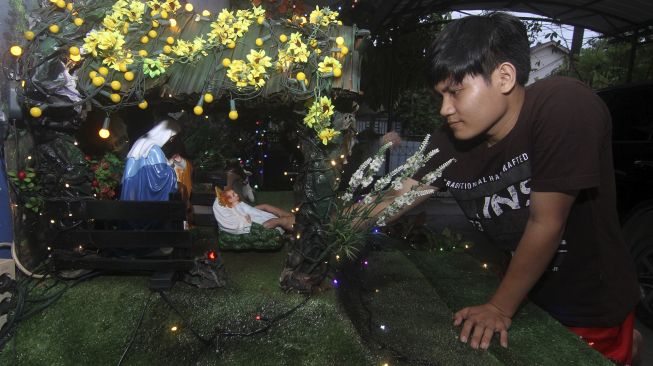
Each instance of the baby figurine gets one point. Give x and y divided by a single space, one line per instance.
236 217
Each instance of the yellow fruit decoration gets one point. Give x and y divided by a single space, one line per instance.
69 6
170 40
16 51
167 49
60 4
340 41
164 14
155 24
283 38
206 13
301 76
115 98
122 67
337 73
142 53
344 50
152 34
208 98
54 28
231 44
188 7
78 22
74 50
144 39
98 81
129 76
92 74
104 133
198 110
260 19
35 112
226 62
103 71
29 35
143 104
259 42
116 85
233 115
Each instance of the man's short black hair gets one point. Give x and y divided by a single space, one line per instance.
476 45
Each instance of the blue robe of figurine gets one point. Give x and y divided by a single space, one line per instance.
147 176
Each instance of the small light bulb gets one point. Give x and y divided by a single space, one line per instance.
52 221
67 185
29 157
485 265
173 328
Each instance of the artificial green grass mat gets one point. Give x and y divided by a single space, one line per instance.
92 323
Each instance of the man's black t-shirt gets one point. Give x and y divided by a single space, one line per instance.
561 142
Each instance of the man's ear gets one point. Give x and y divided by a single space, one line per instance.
507 74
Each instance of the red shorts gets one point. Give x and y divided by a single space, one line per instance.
614 343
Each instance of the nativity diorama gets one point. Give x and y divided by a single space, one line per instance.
182 192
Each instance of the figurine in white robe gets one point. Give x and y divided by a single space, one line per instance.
236 217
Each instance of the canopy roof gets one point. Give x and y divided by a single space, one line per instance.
609 17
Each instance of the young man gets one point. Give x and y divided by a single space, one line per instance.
534 172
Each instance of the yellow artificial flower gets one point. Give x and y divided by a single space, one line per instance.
155 5
118 58
316 16
245 14
171 6
298 49
258 58
238 73
326 109
103 43
256 79
327 135
258 11
136 11
112 22
166 60
284 60
328 64
241 26
226 17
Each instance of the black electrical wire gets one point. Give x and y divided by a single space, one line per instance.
353 276
135 331
226 333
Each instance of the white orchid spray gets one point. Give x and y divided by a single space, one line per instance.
355 214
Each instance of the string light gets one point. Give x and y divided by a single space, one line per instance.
485 266
173 328
104 131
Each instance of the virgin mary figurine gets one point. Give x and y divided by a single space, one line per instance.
148 177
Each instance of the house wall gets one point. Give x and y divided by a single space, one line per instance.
544 62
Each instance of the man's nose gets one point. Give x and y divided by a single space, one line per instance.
447 108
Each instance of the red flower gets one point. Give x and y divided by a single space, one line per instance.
87 157
22 175
95 183
94 167
105 165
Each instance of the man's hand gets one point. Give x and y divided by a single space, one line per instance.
480 323
391 137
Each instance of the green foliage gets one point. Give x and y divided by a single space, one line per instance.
207 145
605 63
419 111
28 187
107 174
394 63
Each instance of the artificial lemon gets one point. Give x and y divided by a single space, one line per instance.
208 97
115 98
198 110
301 76
78 22
233 115
54 28
103 71
143 104
98 81
116 85
29 35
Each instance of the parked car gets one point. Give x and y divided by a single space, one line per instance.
631 107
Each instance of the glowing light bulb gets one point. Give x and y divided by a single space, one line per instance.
188 7
16 51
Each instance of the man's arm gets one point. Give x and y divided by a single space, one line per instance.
407 185
538 244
